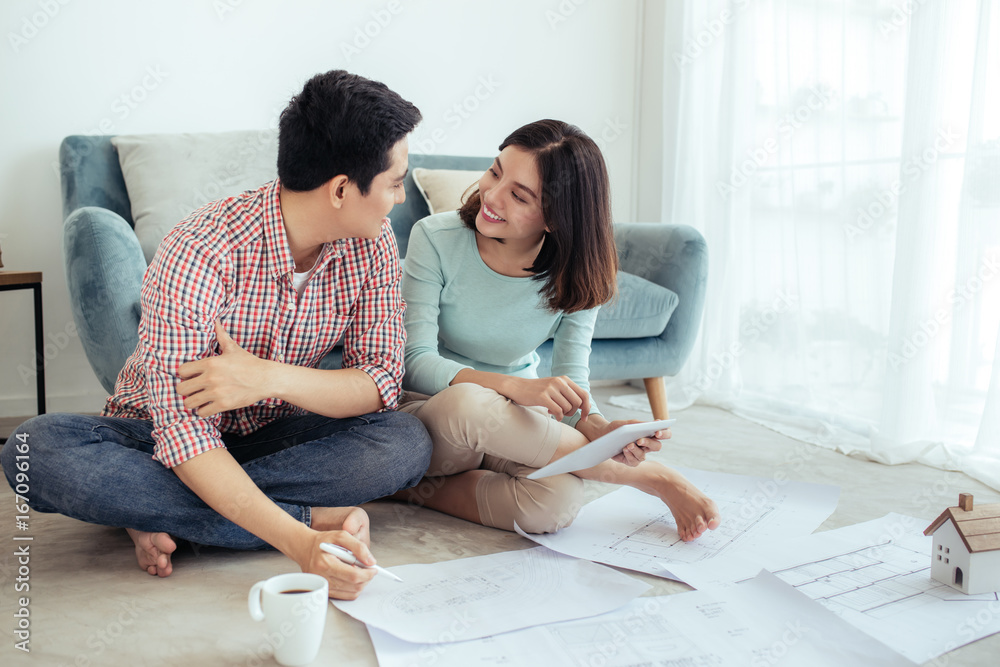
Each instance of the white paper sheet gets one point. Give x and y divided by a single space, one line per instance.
485 595
765 622
874 575
634 530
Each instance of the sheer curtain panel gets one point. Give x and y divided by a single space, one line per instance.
842 159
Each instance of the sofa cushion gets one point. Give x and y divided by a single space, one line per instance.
442 189
170 175
642 308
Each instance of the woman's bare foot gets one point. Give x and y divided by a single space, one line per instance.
693 511
153 550
354 520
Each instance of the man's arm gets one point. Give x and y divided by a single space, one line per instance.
235 379
183 294
218 479
370 380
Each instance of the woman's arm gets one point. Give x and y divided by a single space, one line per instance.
559 395
423 282
571 356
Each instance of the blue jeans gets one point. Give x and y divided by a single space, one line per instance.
101 470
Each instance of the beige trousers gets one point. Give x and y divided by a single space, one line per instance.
475 428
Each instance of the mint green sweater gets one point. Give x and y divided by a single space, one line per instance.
462 314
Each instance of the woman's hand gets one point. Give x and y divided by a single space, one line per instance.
559 395
635 452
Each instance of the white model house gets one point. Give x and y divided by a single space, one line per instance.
966 551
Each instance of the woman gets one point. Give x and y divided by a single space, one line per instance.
528 257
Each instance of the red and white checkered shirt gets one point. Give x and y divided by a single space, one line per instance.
230 261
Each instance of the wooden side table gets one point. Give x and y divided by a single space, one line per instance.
12 280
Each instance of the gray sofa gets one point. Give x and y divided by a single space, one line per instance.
105 264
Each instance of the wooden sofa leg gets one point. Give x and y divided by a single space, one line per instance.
656 392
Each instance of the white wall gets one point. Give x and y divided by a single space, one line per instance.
119 66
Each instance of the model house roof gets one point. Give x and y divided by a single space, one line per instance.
979 527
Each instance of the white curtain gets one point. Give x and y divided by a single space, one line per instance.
842 160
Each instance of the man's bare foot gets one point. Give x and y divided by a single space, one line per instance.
354 520
693 511
153 550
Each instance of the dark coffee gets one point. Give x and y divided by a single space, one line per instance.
295 590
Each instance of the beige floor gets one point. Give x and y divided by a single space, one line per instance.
91 605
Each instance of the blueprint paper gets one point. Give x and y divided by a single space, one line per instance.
485 595
765 622
874 575
631 529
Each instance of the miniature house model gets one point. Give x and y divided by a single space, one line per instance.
966 552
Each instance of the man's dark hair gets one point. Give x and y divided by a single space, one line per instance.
340 123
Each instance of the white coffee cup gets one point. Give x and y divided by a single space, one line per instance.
294 606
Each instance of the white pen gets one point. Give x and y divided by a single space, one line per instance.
346 556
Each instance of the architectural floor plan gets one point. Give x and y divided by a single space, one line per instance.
475 597
874 575
764 622
634 530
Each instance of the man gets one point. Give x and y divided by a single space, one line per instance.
222 430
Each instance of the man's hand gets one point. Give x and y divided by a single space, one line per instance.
559 395
346 581
234 379
635 452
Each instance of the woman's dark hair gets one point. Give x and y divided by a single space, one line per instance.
578 260
340 123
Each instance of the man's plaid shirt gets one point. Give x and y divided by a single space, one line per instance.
230 261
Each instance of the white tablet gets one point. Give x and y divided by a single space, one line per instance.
601 449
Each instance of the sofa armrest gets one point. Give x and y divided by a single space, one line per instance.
104 268
676 257
91 176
